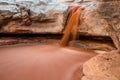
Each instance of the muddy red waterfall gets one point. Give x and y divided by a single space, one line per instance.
59 40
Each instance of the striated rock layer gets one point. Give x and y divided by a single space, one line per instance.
17 16
50 16
109 10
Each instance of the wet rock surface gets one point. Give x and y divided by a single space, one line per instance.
86 42
27 39
102 67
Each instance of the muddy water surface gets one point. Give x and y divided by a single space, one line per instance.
42 62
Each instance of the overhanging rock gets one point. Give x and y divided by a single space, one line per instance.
47 16
31 16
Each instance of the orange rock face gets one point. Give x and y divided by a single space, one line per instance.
102 67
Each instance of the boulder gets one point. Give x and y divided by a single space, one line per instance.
102 67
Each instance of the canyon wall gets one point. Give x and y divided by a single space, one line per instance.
46 16
31 16
49 16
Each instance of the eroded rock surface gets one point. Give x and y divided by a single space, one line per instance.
109 10
49 16
18 16
102 67
36 16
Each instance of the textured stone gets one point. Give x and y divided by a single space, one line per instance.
39 15
93 24
109 10
48 16
102 67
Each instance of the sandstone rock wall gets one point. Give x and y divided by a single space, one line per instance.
31 16
48 16
38 16
109 10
